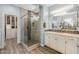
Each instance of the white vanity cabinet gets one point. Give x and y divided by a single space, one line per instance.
57 43
62 43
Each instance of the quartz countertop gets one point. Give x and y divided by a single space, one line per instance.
63 33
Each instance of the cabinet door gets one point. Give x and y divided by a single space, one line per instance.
47 39
53 42
60 44
71 46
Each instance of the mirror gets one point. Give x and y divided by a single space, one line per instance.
63 18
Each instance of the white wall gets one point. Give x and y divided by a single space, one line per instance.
44 13
12 10
46 16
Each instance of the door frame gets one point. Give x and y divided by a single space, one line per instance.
10 21
3 29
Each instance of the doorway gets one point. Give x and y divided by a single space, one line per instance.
10 28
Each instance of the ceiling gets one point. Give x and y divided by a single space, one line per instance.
35 7
32 7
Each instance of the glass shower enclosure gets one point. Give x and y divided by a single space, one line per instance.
31 28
